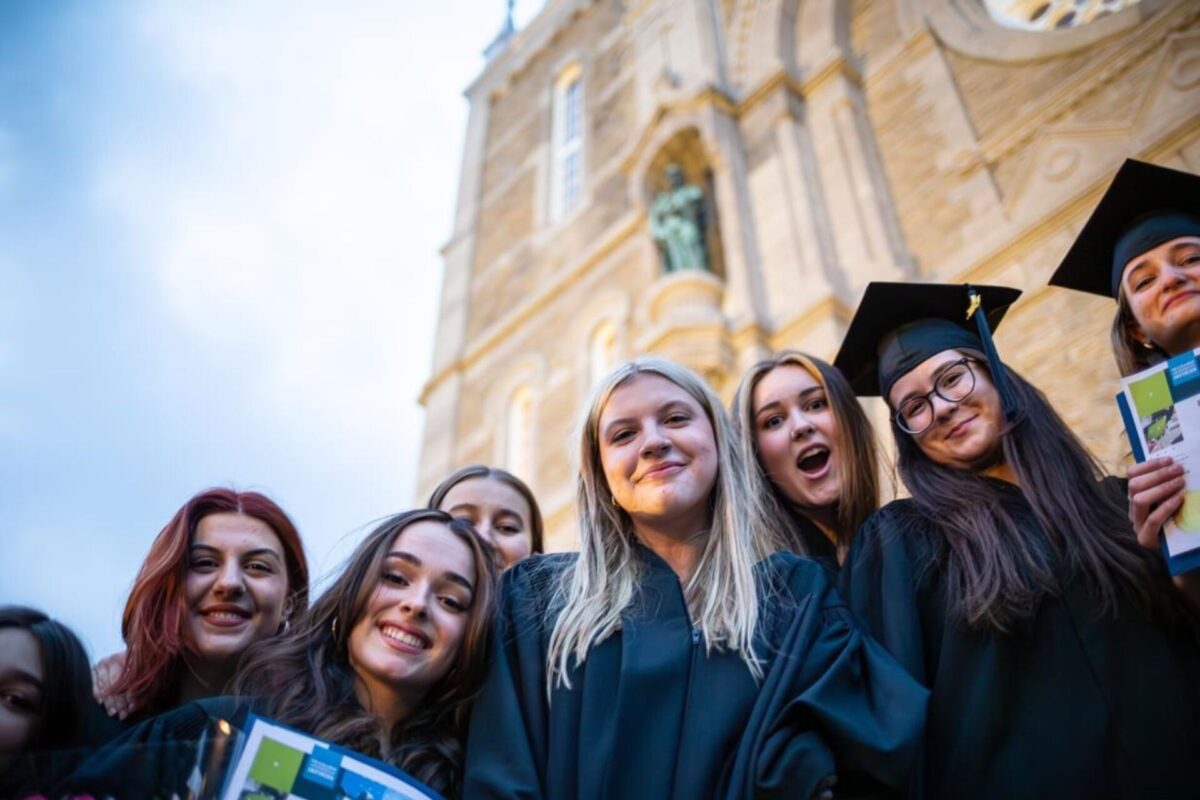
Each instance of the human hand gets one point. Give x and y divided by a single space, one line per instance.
104 676
1156 489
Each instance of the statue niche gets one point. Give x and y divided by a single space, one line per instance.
679 226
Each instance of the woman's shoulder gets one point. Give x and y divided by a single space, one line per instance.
533 581
899 528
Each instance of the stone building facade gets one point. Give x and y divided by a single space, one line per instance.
837 142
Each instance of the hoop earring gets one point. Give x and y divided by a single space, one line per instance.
333 627
285 627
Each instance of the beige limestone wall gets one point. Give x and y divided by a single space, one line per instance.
848 141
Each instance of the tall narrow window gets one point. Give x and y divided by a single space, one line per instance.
602 352
567 142
518 449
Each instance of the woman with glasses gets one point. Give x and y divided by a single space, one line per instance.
1062 661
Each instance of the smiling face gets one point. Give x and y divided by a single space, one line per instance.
410 632
796 435
964 435
21 687
499 513
237 586
1163 289
659 455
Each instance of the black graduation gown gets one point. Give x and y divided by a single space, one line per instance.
817 545
155 758
651 715
1071 706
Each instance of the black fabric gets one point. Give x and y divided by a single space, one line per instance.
1144 206
651 715
1071 706
899 325
156 757
816 545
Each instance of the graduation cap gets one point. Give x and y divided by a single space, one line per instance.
899 325
1144 206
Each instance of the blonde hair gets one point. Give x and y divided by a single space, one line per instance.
858 460
722 592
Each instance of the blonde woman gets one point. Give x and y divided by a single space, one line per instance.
678 655
810 453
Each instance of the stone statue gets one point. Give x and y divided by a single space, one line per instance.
677 224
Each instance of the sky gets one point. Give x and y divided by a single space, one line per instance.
219 234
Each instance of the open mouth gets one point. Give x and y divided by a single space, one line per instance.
812 462
225 617
407 639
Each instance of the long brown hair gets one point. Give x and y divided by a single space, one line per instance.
154 623
1132 354
858 460
305 678
503 475
996 569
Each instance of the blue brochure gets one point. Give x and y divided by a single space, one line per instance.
276 762
1161 410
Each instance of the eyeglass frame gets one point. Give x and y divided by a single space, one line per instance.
966 361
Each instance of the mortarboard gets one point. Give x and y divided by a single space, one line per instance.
899 325
1144 206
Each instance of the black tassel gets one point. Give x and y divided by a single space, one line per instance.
1008 399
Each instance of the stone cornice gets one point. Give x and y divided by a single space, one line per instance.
1022 129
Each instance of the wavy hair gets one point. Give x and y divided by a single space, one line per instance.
721 593
305 677
154 623
494 473
998 569
1132 354
858 460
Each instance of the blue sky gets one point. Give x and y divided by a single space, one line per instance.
219 226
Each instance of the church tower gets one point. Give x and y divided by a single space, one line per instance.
714 180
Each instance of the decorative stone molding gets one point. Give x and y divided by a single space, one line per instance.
966 27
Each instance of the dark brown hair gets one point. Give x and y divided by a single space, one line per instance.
503 475
858 460
66 679
305 678
996 570
156 612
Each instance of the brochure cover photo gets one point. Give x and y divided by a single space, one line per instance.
277 762
1161 409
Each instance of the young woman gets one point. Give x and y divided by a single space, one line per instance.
678 655
45 694
500 506
810 452
1061 659
386 662
227 571
1141 247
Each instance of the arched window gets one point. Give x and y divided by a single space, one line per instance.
1047 15
602 351
518 434
567 143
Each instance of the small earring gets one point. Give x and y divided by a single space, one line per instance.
287 625
333 627
613 500
1148 345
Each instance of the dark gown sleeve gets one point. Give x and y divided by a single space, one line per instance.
507 742
154 758
832 702
880 582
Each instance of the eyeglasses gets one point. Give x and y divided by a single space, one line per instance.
955 384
